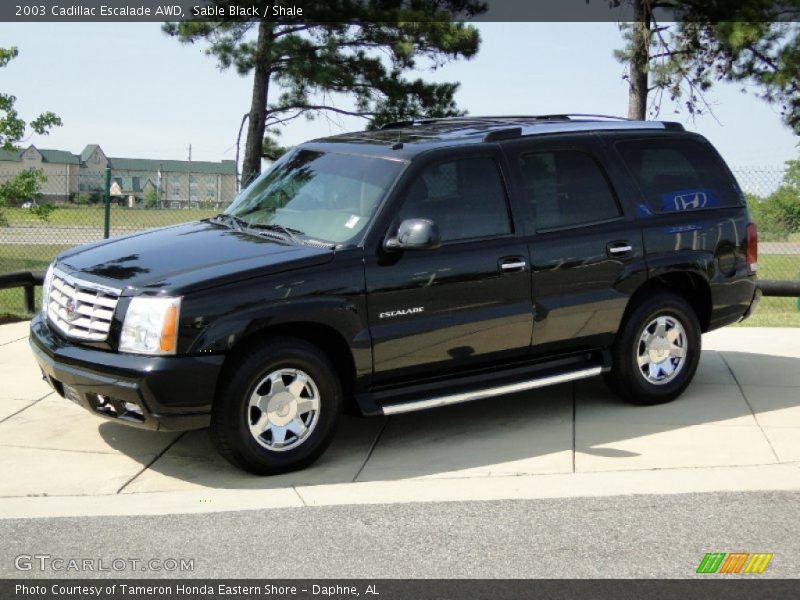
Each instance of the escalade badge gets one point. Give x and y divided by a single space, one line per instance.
402 313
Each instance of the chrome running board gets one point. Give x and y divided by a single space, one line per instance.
511 388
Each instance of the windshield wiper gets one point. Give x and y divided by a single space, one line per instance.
289 232
232 221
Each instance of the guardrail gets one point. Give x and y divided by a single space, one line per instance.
780 288
27 280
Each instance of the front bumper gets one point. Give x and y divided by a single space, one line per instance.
171 393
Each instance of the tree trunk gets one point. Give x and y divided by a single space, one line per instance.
251 165
640 60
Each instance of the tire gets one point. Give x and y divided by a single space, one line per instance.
301 396
660 375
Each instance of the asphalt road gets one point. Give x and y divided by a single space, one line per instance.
621 536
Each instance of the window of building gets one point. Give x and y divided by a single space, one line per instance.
566 188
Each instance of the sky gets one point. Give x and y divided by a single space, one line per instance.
139 93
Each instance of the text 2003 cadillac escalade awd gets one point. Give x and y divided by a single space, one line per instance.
420 265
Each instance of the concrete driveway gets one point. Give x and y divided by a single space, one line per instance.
736 428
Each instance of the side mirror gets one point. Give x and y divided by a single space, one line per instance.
414 234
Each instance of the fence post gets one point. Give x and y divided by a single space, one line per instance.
107 205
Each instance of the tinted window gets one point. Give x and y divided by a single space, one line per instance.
566 188
464 197
325 196
677 175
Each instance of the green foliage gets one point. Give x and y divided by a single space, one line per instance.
151 199
271 148
354 49
778 216
752 45
12 131
82 198
43 211
12 126
755 43
24 186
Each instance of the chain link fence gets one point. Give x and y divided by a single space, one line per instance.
52 211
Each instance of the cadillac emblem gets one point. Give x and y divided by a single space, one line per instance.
72 309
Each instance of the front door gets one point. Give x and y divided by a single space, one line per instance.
464 304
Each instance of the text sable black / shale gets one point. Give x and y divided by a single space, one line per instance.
234 10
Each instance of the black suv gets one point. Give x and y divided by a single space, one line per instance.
424 264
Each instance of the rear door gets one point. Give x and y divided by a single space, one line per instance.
466 303
586 249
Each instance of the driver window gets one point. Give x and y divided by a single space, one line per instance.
464 197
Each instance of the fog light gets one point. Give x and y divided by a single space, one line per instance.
132 407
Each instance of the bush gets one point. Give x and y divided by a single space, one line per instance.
82 198
24 186
43 211
778 216
151 199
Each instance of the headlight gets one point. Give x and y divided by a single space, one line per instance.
151 326
48 278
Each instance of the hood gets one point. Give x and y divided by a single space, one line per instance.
185 257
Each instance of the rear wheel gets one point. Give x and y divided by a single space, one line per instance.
656 352
277 409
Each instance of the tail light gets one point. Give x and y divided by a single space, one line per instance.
752 247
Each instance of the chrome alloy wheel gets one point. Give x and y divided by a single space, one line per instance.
661 352
283 409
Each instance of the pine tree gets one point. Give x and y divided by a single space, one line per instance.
358 48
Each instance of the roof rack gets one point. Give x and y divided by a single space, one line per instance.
588 116
501 120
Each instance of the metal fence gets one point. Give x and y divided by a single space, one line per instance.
60 210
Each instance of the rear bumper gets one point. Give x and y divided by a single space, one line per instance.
169 393
753 304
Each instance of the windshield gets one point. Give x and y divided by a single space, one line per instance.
319 195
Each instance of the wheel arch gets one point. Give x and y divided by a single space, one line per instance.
323 336
691 286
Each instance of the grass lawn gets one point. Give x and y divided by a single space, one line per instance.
27 257
21 257
776 312
139 218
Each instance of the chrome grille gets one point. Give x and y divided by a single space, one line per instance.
81 309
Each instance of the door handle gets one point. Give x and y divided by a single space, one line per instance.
616 249
513 264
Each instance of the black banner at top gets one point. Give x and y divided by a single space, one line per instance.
320 11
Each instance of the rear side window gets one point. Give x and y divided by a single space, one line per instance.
566 188
679 175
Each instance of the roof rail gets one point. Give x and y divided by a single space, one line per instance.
427 120
503 134
589 116
502 119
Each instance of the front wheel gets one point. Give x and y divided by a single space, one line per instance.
277 409
657 350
